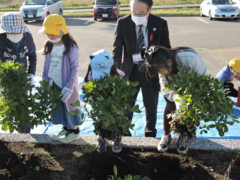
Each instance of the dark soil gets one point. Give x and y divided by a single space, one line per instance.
68 162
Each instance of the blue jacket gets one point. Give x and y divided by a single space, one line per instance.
224 75
19 52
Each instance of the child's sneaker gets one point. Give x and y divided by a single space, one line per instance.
164 142
117 146
55 137
182 145
102 144
69 137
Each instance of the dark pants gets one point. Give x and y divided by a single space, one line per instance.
232 91
170 107
150 100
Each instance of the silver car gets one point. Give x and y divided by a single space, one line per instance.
215 9
40 9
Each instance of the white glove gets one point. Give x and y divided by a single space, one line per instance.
66 94
31 77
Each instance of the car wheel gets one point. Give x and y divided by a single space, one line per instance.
26 21
60 12
201 13
210 16
95 19
48 13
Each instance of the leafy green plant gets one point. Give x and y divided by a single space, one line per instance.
109 99
18 106
204 104
126 177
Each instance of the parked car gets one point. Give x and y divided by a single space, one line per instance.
215 9
40 9
106 9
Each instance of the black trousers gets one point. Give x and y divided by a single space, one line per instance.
150 100
232 91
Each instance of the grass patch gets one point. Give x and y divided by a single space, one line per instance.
159 12
14 5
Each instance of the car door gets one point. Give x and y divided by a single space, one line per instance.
203 7
59 6
208 7
50 6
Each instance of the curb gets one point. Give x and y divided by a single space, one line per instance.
129 142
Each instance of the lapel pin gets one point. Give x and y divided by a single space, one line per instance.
154 29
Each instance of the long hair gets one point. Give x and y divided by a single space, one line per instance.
158 59
68 42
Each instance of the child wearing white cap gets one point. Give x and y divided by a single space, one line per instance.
17 45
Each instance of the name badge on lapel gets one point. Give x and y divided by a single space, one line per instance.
137 58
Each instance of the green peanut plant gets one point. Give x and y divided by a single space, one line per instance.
126 177
109 98
204 104
18 105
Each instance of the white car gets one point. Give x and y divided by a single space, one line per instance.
215 9
40 9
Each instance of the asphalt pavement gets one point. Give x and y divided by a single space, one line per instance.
216 41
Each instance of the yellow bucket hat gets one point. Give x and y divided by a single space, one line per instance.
54 24
235 64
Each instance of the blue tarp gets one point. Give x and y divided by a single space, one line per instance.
139 120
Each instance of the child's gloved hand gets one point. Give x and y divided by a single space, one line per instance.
31 78
66 94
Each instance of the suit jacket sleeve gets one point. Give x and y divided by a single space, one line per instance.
165 36
118 45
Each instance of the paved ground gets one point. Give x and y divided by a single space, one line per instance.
216 41
129 142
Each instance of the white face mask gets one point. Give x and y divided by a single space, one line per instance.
54 41
15 38
139 20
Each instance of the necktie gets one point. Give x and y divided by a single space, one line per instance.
140 39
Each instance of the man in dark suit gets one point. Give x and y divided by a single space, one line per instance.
133 32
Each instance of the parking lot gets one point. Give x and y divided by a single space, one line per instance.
216 41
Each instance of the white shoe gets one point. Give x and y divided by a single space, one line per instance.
182 145
164 142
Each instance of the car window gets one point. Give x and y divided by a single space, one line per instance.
106 2
222 2
49 2
35 2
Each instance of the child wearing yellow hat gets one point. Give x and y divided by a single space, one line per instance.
61 69
228 74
